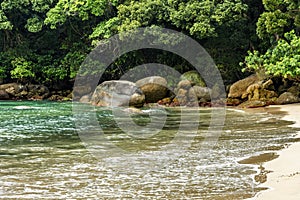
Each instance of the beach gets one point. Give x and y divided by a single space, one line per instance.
284 180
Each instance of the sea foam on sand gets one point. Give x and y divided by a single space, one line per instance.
284 181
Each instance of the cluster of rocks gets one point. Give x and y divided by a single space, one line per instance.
17 91
190 91
253 92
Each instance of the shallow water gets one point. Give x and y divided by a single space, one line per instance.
42 156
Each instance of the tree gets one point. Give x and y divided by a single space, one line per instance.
209 22
279 25
56 35
282 60
280 16
55 53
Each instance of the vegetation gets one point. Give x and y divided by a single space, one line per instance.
281 60
45 41
279 26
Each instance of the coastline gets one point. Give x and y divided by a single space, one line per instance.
284 180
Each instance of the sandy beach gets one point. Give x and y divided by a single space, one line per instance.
284 180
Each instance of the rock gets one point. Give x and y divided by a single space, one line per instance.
216 92
12 88
175 102
35 98
268 85
85 99
70 95
202 93
80 91
9 85
31 91
253 104
194 78
39 91
233 102
55 97
165 101
118 93
252 92
184 84
3 95
182 96
192 95
287 98
257 91
137 100
238 88
154 88
295 90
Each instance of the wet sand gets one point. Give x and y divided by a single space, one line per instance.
284 181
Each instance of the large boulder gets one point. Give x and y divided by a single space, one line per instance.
3 95
257 91
287 98
194 77
9 85
154 88
240 87
11 88
29 91
80 91
118 93
203 94
189 95
295 90
85 99
184 84
37 91
182 96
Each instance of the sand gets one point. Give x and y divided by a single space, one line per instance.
284 181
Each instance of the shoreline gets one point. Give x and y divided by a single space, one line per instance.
284 180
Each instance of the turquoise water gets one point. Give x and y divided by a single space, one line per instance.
42 156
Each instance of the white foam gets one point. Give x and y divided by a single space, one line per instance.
236 110
22 107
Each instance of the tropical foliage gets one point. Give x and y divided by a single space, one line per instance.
280 25
45 41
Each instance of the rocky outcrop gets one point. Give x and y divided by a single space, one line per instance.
287 98
253 104
260 93
189 94
263 91
85 99
19 91
295 90
238 89
81 90
37 91
252 92
203 94
3 95
118 93
154 88
13 89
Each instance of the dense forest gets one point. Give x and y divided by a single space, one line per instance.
45 41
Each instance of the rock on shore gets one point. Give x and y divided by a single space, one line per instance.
253 92
118 93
